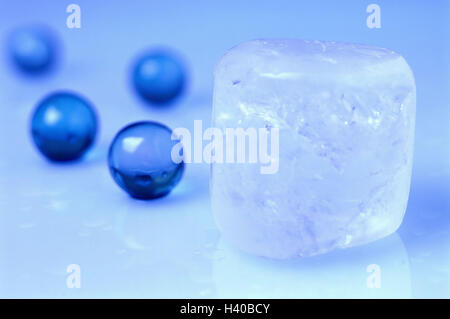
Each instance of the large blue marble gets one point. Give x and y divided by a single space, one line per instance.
63 126
140 160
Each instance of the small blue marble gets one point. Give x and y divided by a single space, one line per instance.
159 76
33 49
64 126
140 160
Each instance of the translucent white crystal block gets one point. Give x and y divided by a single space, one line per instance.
346 116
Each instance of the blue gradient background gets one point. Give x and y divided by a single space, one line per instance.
55 215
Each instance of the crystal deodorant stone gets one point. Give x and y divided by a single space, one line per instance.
140 160
159 76
345 114
64 126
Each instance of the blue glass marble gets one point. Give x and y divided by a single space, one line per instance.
140 160
64 126
33 49
159 77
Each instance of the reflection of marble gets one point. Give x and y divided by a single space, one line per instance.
340 274
55 215
164 248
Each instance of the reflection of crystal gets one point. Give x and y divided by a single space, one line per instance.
346 117
378 270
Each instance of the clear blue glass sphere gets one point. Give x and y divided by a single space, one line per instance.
33 49
140 160
159 77
64 126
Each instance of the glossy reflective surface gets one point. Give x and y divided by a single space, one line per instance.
33 49
52 216
159 76
63 126
140 160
